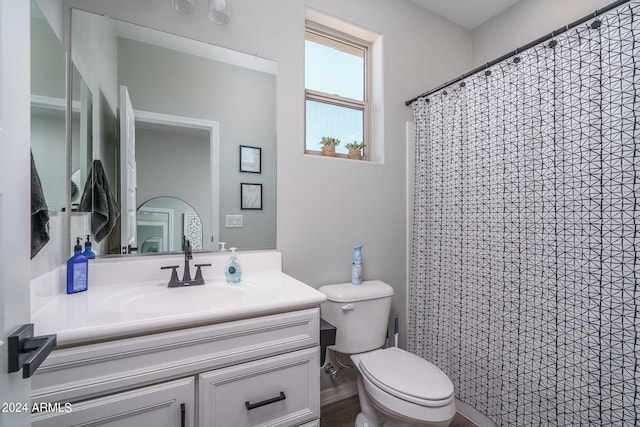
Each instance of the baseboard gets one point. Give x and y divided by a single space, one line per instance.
473 414
338 393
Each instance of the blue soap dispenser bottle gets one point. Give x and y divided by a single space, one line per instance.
77 270
88 252
233 270
356 269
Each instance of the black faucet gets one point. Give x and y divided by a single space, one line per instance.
188 255
174 282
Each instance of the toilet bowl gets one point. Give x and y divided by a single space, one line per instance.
404 389
396 388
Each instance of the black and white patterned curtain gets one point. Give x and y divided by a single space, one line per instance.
525 271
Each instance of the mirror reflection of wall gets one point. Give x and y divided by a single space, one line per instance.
48 93
171 75
175 161
81 135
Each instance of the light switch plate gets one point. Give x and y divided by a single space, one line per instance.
233 221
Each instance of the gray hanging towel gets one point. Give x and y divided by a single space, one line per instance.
39 213
98 199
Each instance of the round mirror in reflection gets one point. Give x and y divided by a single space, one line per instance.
161 223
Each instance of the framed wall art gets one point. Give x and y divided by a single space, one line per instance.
250 159
250 196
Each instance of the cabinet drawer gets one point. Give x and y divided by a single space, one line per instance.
161 405
278 391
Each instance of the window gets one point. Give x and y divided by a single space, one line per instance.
336 89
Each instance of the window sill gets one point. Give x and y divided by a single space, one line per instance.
312 154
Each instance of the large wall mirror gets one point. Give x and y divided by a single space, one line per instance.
168 116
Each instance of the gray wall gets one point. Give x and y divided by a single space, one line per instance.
175 165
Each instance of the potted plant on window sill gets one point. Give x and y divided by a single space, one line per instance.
329 146
355 150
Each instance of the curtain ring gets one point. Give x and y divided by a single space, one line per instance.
597 23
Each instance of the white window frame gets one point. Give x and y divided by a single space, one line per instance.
341 41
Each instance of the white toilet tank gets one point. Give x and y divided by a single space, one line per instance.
360 314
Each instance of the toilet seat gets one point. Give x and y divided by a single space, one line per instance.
407 376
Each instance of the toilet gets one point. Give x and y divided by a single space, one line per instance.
396 388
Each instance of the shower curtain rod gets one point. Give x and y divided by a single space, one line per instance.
542 39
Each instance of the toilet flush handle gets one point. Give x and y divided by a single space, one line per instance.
348 307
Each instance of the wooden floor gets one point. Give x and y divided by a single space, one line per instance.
344 412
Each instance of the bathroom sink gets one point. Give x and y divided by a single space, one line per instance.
156 299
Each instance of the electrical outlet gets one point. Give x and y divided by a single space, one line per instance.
233 221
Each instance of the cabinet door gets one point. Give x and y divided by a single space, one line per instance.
169 404
282 390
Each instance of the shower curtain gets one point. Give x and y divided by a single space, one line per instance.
525 270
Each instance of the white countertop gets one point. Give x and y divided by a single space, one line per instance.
119 308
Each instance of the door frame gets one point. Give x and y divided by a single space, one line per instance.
128 173
15 199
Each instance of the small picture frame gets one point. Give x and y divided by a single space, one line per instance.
250 159
250 196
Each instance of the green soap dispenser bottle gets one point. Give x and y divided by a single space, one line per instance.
77 270
233 270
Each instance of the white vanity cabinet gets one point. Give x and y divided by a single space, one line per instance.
258 371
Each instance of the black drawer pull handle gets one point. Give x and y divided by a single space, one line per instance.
251 406
183 414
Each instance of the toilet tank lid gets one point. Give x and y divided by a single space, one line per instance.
348 292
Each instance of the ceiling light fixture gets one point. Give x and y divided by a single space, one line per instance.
219 11
184 6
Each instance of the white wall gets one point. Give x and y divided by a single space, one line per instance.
317 198
524 22
52 10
